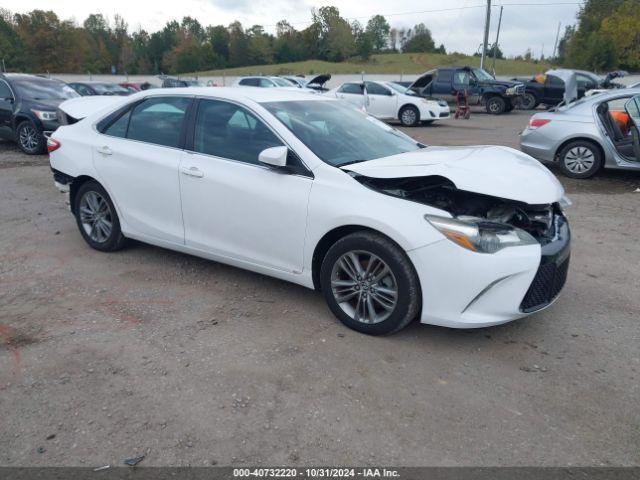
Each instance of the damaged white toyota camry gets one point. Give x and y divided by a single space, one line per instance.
309 190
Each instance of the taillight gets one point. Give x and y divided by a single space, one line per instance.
52 145
538 122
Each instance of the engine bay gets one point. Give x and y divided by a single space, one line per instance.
441 193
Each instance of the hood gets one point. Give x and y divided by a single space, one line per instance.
45 103
570 83
82 107
490 170
504 83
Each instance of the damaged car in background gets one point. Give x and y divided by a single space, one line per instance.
314 191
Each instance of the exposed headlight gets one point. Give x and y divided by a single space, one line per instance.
442 103
479 235
511 91
45 115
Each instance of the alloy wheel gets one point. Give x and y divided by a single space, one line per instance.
408 116
95 216
579 159
29 137
364 286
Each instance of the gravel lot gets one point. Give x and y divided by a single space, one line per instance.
108 356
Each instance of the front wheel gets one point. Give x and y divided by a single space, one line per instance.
30 139
409 116
369 283
97 218
496 105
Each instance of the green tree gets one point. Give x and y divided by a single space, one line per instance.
238 45
378 31
420 40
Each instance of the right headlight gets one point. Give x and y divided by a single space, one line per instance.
480 235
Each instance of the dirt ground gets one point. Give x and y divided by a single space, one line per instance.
108 356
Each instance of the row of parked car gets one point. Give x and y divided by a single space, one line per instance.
584 136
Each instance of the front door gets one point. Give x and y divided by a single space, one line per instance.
137 158
352 93
383 103
6 110
233 206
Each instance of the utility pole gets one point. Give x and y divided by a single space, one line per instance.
555 45
487 21
495 45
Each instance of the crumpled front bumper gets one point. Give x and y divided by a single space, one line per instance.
464 289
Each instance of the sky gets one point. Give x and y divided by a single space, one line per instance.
459 23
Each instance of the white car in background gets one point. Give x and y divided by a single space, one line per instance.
313 191
265 82
390 101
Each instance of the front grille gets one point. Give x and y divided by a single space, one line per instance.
444 114
546 286
520 89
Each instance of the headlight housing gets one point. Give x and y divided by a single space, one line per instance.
45 115
480 235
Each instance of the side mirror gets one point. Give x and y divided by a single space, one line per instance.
274 156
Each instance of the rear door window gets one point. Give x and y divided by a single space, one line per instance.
249 82
444 76
158 120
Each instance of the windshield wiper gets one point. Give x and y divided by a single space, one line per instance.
351 163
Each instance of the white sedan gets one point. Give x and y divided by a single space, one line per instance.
390 101
313 191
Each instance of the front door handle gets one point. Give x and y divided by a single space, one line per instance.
105 150
193 172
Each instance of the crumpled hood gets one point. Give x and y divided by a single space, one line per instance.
504 83
490 170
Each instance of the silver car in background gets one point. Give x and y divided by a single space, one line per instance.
584 136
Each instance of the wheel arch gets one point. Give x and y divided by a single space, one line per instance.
330 238
584 139
75 186
409 105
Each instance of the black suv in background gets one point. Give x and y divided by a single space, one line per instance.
28 106
497 96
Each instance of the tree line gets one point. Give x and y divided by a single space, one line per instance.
39 41
606 36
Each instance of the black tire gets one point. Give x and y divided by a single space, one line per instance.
529 101
114 240
496 105
580 159
409 116
408 296
30 138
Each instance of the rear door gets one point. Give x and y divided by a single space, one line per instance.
443 85
137 157
234 206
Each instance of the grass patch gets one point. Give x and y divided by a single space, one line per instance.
408 63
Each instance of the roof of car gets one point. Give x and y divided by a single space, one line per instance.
258 95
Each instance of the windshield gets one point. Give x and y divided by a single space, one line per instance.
482 74
109 89
400 88
339 134
44 89
282 82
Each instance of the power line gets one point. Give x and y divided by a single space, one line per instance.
451 9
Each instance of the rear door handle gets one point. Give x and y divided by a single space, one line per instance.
105 150
192 172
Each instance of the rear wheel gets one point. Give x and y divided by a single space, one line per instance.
370 284
30 139
529 101
580 159
97 218
496 105
409 116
